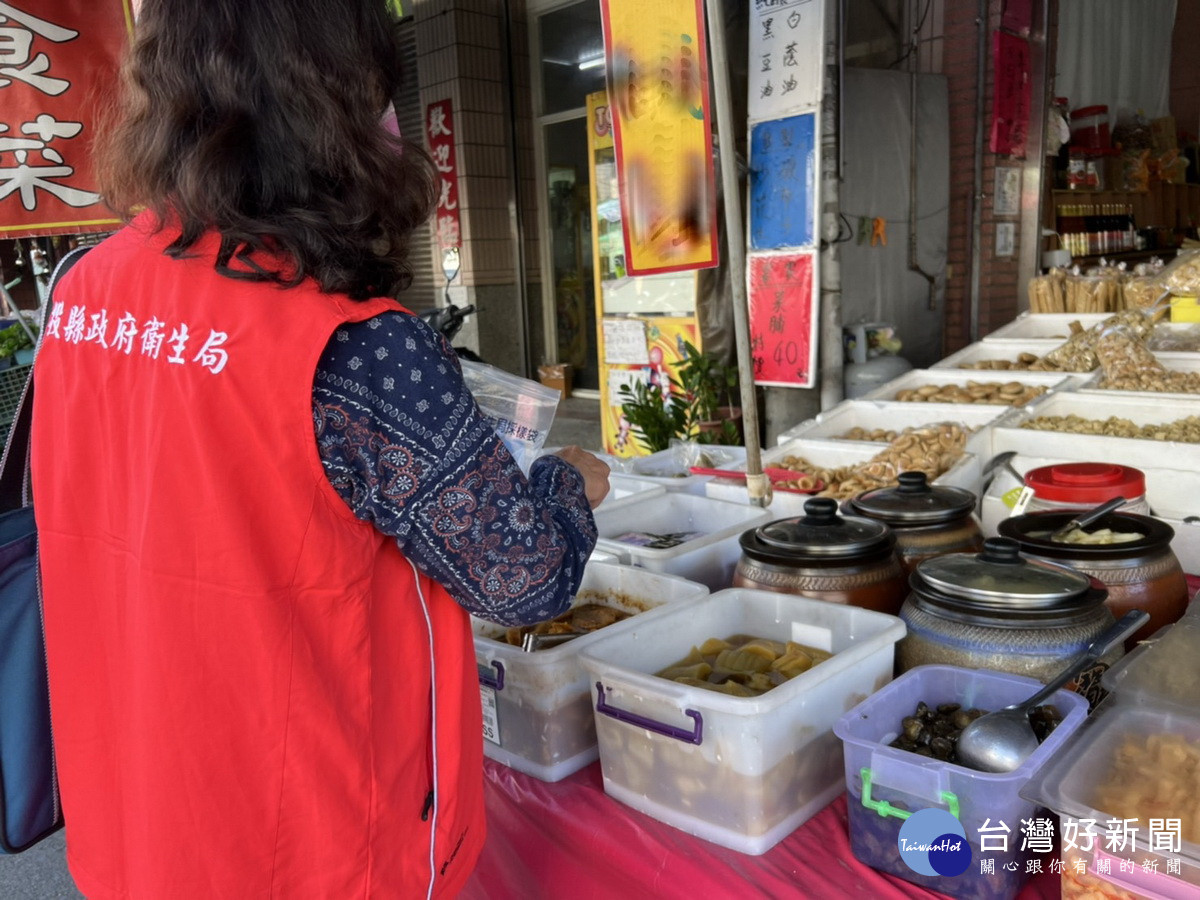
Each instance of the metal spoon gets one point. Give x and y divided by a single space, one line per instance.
1000 741
1087 518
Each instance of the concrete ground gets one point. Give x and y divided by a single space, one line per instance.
576 422
41 872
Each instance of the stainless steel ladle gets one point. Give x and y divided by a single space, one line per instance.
1000 741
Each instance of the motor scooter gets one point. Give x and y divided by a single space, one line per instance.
448 319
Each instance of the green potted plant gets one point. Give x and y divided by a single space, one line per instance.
654 416
700 404
710 391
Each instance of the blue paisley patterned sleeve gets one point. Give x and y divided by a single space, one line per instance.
404 443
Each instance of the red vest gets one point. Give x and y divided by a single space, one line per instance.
244 678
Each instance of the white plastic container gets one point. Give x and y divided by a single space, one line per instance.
1009 351
623 488
537 714
835 423
1092 795
667 469
1051 381
1140 410
828 454
1173 362
1043 327
705 548
742 772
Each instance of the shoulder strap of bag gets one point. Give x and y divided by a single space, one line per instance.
15 463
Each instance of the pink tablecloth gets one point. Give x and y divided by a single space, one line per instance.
571 839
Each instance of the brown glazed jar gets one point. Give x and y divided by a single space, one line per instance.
999 610
1142 574
842 559
927 520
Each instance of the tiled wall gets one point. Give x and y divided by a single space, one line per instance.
463 56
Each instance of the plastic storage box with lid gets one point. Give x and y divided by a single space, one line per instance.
1163 670
885 785
537 714
1084 485
679 534
742 772
872 415
1124 787
920 378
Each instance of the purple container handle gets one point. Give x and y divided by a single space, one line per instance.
680 734
487 680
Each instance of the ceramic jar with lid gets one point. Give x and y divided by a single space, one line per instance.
842 559
1140 574
999 610
1085 485
928 520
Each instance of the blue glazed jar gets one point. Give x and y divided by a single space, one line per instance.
1000 610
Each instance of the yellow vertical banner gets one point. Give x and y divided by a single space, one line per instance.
657 63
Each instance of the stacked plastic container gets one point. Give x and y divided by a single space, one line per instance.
1127 786
886 785
742 772
537 715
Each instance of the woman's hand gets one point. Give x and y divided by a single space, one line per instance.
593 470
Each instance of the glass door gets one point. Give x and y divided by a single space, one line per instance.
570 53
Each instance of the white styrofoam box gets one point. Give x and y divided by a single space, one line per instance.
1175 361
669 470
742 772
916 378
537 713
1057 326
1010 350
1173 495
1137 408
872 414
708 550
965 473
1043 326
983 350
623 488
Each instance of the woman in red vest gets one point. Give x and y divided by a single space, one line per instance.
266 501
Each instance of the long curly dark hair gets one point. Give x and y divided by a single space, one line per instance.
260 119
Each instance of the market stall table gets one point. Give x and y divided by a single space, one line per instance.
569 838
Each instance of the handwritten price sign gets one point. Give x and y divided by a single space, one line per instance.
783 318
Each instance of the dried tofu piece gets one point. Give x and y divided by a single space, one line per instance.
713 646
733 688
793 663
698 671
765 647
743 661
760 683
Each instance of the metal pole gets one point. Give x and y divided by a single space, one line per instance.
757 484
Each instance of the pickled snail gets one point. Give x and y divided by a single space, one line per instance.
585 618
933 731
743 666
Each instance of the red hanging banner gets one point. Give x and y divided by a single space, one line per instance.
439 135
783 318
58 65
1010 104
